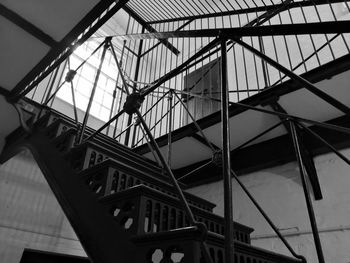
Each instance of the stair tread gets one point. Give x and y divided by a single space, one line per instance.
145 190
192 232
115 155
113 145
152 179
90 130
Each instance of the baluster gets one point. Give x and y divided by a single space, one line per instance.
130 182
172 218
220 256
212 228
148 216
99 158
122 182
165 218
157 217
92 159
212 254
115 182
180 219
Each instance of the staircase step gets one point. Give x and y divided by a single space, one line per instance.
37 256
111 176
65 141
102 140
92 223
101 136
120 203
161 212
179 241
89 154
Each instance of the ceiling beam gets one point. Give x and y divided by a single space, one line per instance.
266 154
156 45
271 30
150 29
27 26
4 92
204 142
244 11
323 72
58 54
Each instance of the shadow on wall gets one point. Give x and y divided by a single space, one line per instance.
279 192
30 215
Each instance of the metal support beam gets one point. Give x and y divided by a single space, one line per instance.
310 168
4 92
271 30
308 85
203 141
27 26
306 155
226 161
328 145
170 124
310 209
267 218
136 76
87 113
242 106
150 29
150 88
156 45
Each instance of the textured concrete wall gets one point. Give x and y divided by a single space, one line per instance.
30 216
279 192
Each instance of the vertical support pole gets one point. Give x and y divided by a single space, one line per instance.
136 76
170 122
74 104
306 193
52 97
264 64
87 113
53 81
226 171
115 94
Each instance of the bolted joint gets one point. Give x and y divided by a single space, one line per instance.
133 103
170 96
70 75
137 121
202 228
217 158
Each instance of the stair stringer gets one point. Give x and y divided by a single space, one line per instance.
102 238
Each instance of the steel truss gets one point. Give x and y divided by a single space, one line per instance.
223 40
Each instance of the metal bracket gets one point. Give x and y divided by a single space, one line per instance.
133 103
22 107
70 75
217 158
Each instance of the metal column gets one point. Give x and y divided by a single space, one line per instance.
307 193
226 169
87 113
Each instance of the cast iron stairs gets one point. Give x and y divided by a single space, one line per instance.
121 205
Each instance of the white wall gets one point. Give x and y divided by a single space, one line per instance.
279 192
30 216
